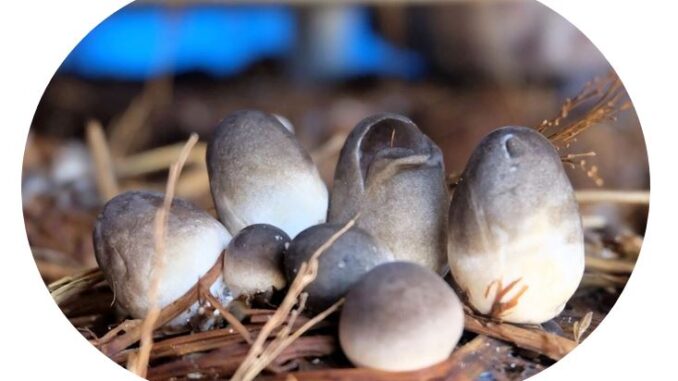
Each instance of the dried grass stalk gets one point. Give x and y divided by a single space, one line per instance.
628 245
284 340
465 364
159 233
613 196
66 288
611 265
580 327
203 341
572 159
157 159
131 336
222 362
190 343
125 326
232 320
600 280
610 99
106 182
51 271
128 131
536 340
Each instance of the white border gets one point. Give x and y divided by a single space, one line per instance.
636 340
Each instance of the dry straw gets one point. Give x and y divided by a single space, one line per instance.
601 100
160 231
260 355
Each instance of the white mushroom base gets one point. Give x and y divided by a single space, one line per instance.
538 272
201 318
296 202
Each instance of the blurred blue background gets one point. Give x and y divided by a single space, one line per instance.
156 71
140 42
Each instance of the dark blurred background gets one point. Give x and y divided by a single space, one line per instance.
155 71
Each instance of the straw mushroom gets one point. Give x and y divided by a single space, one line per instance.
259 173
124 243
393 174
400 317
340 266
253 261
516 243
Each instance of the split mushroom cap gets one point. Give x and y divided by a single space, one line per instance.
393 174
339 267
400 317
259 173
124 243
253 261
516 243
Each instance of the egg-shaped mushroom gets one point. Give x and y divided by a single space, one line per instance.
253 262
259 173
339 267
400 317
125 248
516 244
393 174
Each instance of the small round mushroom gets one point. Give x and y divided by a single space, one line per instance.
393 174
124 244
339 267
400 317
253 263
516 245
259 173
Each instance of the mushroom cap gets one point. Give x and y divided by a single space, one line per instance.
515 226
394 175
124 246
259 173
339 267
399 317
253 262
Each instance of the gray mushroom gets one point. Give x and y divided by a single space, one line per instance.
339 267
516 244
393 174
124 246
400 317
259 173
253 263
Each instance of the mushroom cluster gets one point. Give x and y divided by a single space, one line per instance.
511 235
